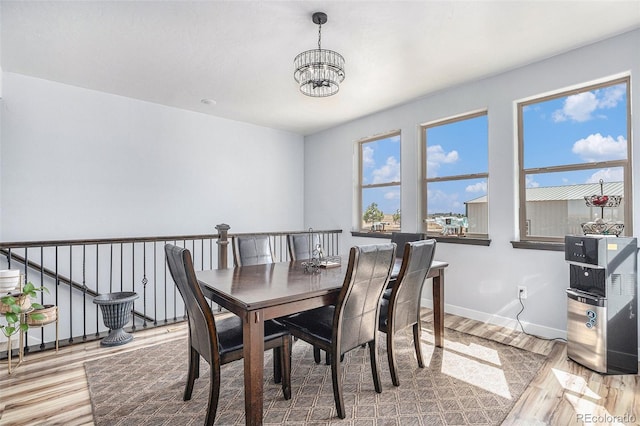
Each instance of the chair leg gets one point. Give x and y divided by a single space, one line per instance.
285 365
316 354
374 365
391 357
193 372
214 395
336 379
416 343
277 365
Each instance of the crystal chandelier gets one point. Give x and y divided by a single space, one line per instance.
319 71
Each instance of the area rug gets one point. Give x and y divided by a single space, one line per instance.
470 381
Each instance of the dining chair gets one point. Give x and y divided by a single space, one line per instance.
298 245
353 320
402 309
401 238
251 250
219 341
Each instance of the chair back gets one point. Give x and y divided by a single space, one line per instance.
402 238
252 250
202 326
356 315
299 245
406 294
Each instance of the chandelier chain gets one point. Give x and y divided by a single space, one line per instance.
319 35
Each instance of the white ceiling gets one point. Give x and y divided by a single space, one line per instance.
240 53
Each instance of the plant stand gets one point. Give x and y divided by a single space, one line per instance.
51 317
20 346
50 313
116 313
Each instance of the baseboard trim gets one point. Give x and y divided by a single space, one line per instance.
493 319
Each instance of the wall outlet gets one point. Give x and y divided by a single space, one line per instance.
522 292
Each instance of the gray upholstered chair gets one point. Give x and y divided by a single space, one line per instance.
402 309
252 250
298 245
402 238
219 341
353 321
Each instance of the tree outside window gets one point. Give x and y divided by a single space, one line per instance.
380 183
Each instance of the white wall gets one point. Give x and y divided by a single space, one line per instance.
77 163
481 282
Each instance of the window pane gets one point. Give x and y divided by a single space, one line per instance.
555 204
457 207
381 161
457 148
581 128
381 208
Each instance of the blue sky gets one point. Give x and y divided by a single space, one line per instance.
585 127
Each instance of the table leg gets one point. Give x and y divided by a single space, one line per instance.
253 351
438 308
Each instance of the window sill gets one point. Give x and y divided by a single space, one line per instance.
446 240
386 235
538 245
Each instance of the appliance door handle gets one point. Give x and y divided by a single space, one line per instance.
574 294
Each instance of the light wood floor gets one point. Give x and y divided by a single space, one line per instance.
51 389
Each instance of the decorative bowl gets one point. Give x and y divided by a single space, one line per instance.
603 200
601 227
9 280
22 300
49 313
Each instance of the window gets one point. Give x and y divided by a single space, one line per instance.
454 169
571 145
380 183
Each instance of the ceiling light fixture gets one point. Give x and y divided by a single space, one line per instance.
319 71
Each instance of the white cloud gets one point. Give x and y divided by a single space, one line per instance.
582 106
600 148
392 195
436 156
577 107
390 172
443 202
530 182
477 187
610 96
367 157
607 175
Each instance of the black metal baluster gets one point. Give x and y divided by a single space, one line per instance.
155 285
144 284
70 294
121 266
111 269
42 293
133 283
84 292
26 280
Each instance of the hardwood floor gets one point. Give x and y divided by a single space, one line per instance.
51 389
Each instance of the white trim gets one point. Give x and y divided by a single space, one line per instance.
511 323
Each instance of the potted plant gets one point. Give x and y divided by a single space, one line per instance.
15 306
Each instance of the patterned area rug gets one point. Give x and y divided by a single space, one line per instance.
469 381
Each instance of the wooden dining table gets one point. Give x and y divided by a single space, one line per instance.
260 292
